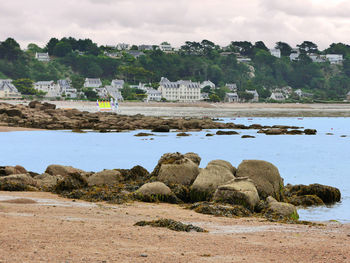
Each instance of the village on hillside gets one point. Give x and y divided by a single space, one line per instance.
175 90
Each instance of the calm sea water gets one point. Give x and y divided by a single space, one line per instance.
301 159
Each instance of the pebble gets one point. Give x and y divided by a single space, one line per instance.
143 255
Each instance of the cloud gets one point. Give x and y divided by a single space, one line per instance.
154 21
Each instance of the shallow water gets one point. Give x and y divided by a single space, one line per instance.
301 159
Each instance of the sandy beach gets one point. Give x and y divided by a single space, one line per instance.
54 229
206 109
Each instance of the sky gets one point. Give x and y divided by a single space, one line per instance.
109 22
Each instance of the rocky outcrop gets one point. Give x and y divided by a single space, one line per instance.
226 133
17 182
224 164
156 191
239 191
265 176
55 169
326 193
47 181
8 170
175 168
279 210
209 179
193 157
221 209
155 188
46 116
305 200
105 177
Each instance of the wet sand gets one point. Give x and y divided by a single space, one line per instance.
9 129
54 229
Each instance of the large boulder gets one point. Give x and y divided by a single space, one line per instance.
105 177
208 181
224 164
279 210
56 169
47 181
8 170
239 191
155 188
175 168
265 176
193 157
17 182
327 194
154 192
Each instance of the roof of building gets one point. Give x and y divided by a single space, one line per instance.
50 82
4 85
231 94
93 81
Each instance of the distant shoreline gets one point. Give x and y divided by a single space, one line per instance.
213 110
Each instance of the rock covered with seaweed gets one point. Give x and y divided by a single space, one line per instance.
254 188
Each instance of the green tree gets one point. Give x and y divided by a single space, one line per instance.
308 47
61 49
51 45
10 50
285 48
25 86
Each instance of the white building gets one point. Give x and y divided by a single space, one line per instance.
153 95
255 95
208 83
275 52
114 92
145 47
92 83
44 57
165 47
277 96
316 58
117 83
66 88
123 46
231 97
231 86
335 58
52 90
8 90
182 90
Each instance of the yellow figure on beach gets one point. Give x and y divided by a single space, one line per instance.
107 105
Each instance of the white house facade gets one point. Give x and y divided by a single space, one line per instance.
52 90
153 95
182 90
277 96
117 83
44 57
66 88
231 97
335 58
255 95
8 90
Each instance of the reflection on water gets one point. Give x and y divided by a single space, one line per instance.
300 159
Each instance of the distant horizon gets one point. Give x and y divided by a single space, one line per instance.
109 22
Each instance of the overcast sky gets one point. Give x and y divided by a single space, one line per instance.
154 21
